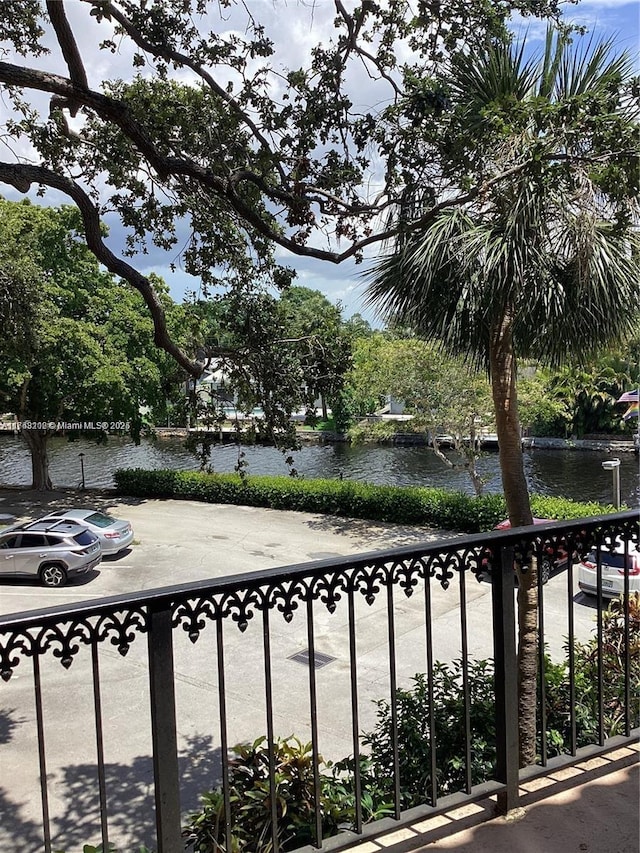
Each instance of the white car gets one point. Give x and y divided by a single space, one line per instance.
114 534
613 571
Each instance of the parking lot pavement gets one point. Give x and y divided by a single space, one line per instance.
183 541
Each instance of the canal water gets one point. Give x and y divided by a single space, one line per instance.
576 474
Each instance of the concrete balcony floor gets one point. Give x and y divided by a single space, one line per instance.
590 807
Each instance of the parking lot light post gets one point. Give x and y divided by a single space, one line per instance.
81 455
614 466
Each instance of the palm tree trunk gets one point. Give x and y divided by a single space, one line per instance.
527 662
505 399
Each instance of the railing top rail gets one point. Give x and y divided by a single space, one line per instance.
163 595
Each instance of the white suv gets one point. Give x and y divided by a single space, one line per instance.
50 551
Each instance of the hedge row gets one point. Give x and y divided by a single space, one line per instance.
437 508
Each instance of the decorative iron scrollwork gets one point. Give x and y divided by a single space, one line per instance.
407 574
193 613
65 639
13 647
120 628
240 600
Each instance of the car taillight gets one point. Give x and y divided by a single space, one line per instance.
112 535
634 567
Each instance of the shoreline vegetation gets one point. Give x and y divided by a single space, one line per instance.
323 434
489 442
433 507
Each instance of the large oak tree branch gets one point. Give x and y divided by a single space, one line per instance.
21 176
159 49
114 111
353 29
67 43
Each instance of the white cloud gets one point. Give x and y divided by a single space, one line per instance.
632 5
295 27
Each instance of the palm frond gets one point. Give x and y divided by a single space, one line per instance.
537 244
591 68
554 47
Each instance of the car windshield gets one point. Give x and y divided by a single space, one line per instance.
100 519
85 538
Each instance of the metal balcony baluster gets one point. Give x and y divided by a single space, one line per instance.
506 679
224 740
432 716
44 794
313 708
542 687
355 717
163 728
465 681
393 690
97 711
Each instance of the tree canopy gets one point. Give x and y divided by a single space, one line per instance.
278 354
201 125
444 395
76 347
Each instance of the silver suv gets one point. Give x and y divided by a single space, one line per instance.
49 550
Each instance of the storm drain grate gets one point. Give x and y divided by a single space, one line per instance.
319 658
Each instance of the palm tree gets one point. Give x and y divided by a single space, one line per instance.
541 260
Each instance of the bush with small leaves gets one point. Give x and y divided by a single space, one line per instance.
615 643
437 508
416 739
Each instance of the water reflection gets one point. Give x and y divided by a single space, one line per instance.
572 473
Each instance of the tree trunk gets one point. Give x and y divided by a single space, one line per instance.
36 440
527 662
505 399
476 479
473 451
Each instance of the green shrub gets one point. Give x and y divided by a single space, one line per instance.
383 431
437 508
327 426
546 417
412 708
545 506
586 682
250 801
248 772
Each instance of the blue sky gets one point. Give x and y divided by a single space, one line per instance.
609 18
617 18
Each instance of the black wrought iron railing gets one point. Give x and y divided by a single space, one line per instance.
116 715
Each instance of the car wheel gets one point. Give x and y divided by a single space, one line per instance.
51 574
546 567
